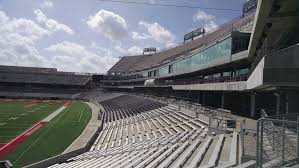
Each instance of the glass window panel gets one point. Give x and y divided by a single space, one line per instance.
219 50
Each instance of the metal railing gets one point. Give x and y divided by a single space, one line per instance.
277 140
219 120
5 164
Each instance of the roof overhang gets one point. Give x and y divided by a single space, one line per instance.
276 20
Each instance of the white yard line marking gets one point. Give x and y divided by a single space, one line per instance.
81 113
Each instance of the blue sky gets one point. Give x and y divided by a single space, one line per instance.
91 35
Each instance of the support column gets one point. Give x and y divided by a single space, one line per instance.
252 105
232 74
203 98
223 100
292 102
278 108
286 103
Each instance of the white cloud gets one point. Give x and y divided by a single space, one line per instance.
19 46
16 52
152 1
114 27
158 33
134 50
202 16
46 4
17 42
70 56
140 36
27 29
100 50
211 25
51 24
109 24
170 45
3 18
208 21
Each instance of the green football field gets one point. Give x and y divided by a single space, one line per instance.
16 117
50 140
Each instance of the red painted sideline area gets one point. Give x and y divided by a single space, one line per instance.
12 146
67 104
1 145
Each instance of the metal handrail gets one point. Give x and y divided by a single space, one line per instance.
284 115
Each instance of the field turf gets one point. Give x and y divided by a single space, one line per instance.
53 138
16 117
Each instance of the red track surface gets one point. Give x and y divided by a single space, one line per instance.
68 103
12 146
1 145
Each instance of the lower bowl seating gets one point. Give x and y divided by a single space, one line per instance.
156 135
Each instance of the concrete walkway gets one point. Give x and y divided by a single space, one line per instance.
88 132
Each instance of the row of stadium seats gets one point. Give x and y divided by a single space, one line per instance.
160 137
44 78
40 89
4 68
127 105
43 92
145 126
97 95
37 95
